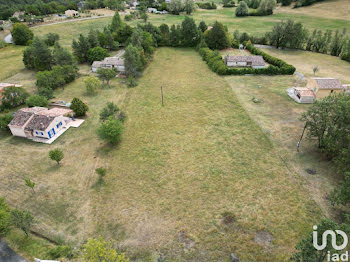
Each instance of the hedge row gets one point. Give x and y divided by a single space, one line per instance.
217 64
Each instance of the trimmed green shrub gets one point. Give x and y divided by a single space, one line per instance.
207 5
217 64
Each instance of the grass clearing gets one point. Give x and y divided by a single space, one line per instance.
177 169
10 61
339 9
278 116
304 61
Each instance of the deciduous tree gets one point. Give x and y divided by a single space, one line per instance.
21 34
22 219
111 130
56 155
79 107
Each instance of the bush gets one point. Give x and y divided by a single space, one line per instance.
217 64
2 44
56 155
111 130
92 84
242 9
51 39
60 252
97 54
131 82
112 110
79 107
4 121
47 81
5 221
21 34
286 2
13 97
37 100
207 5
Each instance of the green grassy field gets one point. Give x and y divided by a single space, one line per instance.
10 61
178 168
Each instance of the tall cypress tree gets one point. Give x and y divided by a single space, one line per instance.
116 22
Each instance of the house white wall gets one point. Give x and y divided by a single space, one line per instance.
55 124
231 64
17 131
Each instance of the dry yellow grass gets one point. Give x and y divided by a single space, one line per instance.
329 66
333 9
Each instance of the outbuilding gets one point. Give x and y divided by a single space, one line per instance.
302 95
245 61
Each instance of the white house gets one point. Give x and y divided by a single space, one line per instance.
152 10
109 62
71 13
41 124
245 61
302 95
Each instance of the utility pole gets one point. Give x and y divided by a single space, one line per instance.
161 90
302 134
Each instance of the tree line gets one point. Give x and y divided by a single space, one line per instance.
291 34
33 7
260 7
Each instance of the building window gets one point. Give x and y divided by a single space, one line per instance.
36 132
42 133
58 125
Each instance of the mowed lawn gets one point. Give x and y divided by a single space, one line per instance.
177 170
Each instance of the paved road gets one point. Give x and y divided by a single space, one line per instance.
8 255
8 38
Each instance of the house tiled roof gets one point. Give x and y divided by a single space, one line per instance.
328 83
20 118
39 122
303 91
39 117
113 61
97 63
55 112
34 109
256 60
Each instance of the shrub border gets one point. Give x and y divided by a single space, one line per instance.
217 64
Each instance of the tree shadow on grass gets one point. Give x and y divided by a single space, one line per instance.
98 184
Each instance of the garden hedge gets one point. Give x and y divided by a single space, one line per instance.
217 64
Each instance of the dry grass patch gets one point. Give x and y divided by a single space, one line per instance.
332 9
304 61
278 116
